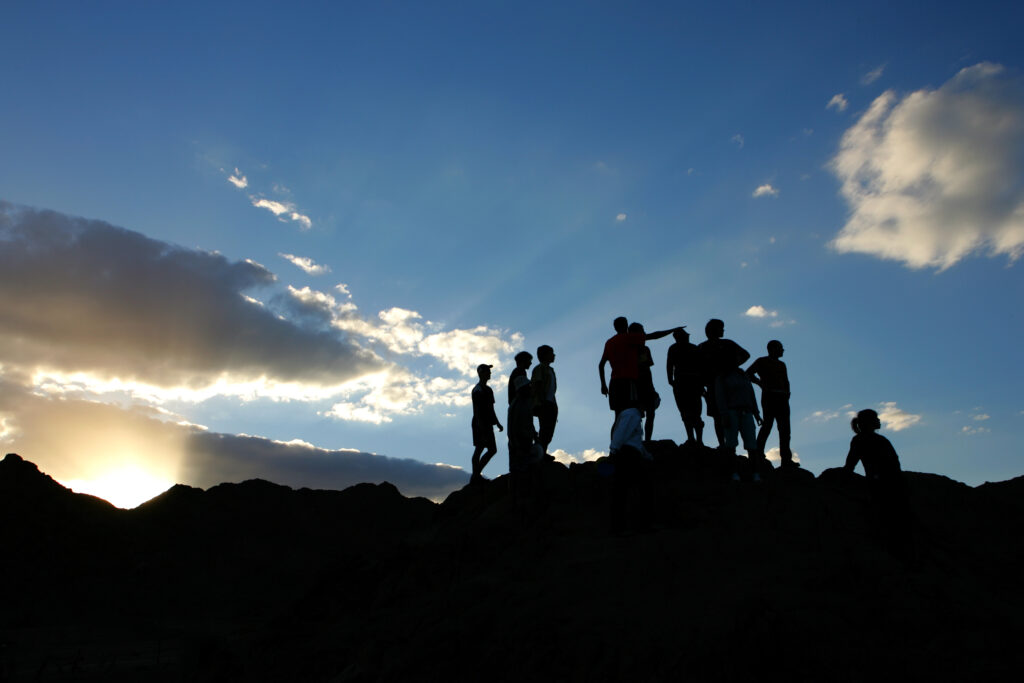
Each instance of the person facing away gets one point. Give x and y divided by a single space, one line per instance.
718 356
524 359
683 366
543 386
484 420
769 373
623 353
647 396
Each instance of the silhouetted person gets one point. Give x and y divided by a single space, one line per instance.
623 352
885 481
683 365
881 464
543 386
524 359
646 393
718 356
737 409
484 420
523 454
769 373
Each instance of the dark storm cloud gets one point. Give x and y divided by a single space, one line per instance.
83 295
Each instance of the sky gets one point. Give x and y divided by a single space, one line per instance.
257 239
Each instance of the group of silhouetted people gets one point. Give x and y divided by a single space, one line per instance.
528 397
710 372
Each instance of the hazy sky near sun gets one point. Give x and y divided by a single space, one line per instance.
259 240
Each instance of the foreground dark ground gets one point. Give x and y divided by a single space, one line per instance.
717 581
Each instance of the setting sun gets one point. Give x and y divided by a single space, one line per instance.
125 487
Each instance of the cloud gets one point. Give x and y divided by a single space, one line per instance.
305 264
970 431
283 210
588 455
937 175
838 102
895 418
872 76
238 180
982 417
620 217
829 415
775 455
738 140
760 312
97 438
766 190
82 297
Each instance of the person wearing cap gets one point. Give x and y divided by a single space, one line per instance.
484 420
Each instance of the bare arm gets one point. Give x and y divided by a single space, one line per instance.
664 333
600 371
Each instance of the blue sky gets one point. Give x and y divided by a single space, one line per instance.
486 177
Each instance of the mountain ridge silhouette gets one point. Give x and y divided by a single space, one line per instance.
724 581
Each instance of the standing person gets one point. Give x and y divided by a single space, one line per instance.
523 454
523 362
718 356
623 352
484 420
543 386
646 393
769 373
683 367
737 409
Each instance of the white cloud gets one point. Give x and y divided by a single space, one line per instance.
829 415
838 102
283 210
305 264
873 75
760 312
975 430
238 180
766 190
620 217
738 140
895 418
935 175
775 455
981 418
588 455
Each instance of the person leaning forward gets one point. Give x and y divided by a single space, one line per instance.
623 353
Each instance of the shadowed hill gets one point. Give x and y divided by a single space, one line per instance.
720 581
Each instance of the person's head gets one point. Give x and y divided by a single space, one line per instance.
681 335
715 329
866 421
524 359
484 371
545 354
775 349
636 328
620 324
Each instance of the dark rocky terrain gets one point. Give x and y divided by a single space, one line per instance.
789 579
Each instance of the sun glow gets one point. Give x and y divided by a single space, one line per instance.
125 487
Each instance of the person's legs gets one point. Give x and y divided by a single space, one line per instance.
782 417
767 407
547 416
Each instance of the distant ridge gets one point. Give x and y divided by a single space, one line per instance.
724 581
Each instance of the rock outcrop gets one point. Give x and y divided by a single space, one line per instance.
793 577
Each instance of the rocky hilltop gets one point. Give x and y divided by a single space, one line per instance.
788 578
